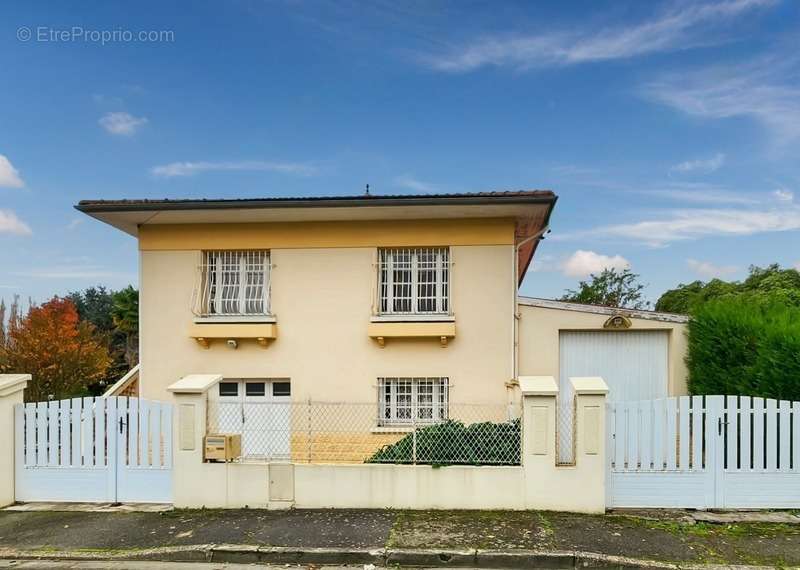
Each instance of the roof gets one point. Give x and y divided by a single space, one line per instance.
512 196
531 210
601 310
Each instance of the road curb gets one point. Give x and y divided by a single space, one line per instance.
252 554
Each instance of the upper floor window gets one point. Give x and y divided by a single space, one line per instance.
414 281
233 284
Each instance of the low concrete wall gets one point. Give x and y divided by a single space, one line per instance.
537 484
409 487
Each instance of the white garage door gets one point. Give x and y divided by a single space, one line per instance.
634 364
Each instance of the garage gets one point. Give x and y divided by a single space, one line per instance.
634 364
640 354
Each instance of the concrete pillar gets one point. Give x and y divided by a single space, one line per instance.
590 435
195 484
539 395
579 487
11 392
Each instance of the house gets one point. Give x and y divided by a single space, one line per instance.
397 303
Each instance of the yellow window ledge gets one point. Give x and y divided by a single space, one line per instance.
383 331
262 333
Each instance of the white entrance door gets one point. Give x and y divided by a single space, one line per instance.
258 409
634 364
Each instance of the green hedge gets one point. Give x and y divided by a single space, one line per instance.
749 349
453 443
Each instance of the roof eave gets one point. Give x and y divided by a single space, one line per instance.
103 206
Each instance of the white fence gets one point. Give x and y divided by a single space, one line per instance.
93 449
322 432
704 452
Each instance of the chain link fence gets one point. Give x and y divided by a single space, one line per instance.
565 431
317 432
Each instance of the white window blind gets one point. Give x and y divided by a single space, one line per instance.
233 283
410 401
414 281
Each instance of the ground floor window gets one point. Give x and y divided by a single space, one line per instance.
409 401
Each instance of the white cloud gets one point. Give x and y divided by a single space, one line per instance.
121 123
797 265
74 223
708 270
11 224
679 225
543 262
758 89
9 176
583 263
699 193
685 26
410 183
783 195
701 165
174 169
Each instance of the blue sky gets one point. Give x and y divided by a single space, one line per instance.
670 130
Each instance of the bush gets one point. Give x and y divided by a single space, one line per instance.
745 348
453 443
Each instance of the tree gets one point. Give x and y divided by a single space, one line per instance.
745 348
63 354
611 288
125 316
94 304
98 306
766 285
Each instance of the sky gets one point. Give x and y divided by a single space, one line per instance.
669 130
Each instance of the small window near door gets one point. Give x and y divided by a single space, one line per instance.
228 388
255 389
281 389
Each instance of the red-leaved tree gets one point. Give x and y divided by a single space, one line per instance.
62 353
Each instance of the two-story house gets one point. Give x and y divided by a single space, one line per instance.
405 302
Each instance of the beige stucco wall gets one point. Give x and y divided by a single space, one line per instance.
539 329
322 299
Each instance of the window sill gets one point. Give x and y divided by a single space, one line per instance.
412 318
392 429
244 319
441 331
263 333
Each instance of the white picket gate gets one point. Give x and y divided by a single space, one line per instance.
94 449
704 452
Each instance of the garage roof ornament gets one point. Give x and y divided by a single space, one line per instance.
617 322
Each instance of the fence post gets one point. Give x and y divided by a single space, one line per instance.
589 439
309 445
189 482
414 435
11 390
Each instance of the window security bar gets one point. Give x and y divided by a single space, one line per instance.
232 283
414 281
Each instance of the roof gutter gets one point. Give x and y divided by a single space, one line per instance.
90 206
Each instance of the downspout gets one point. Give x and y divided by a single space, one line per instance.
514 306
